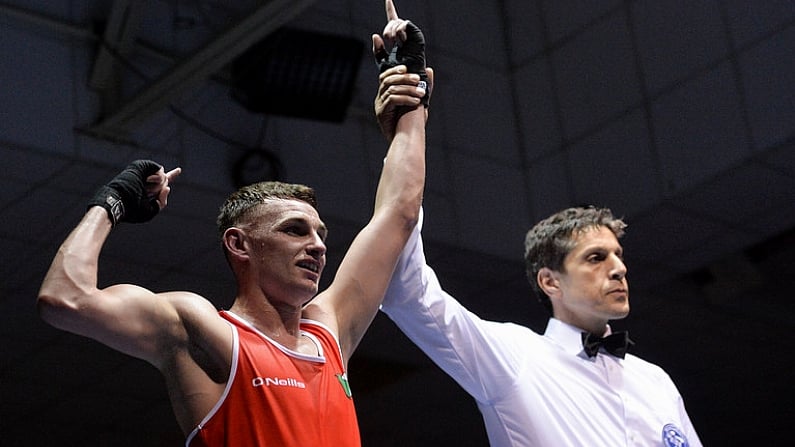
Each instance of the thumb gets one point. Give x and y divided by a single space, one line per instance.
379 49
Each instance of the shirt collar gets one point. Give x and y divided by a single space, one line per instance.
567 336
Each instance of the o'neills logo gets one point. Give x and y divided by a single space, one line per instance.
276 381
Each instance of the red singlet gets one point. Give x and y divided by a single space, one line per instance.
280 398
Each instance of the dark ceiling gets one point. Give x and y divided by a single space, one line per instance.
679 115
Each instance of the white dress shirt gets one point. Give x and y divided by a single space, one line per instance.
536 390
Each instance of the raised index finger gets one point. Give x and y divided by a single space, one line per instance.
172 174
391 12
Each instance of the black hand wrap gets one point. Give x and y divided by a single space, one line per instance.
410 53
125 197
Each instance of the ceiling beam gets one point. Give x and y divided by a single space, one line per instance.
30 17
199 67
118 41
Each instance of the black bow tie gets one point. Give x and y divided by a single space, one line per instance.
617 343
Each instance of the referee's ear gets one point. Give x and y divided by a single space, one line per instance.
548 281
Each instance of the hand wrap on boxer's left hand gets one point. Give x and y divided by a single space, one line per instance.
410 53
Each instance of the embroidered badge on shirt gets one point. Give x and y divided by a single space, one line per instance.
343 378
672 436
